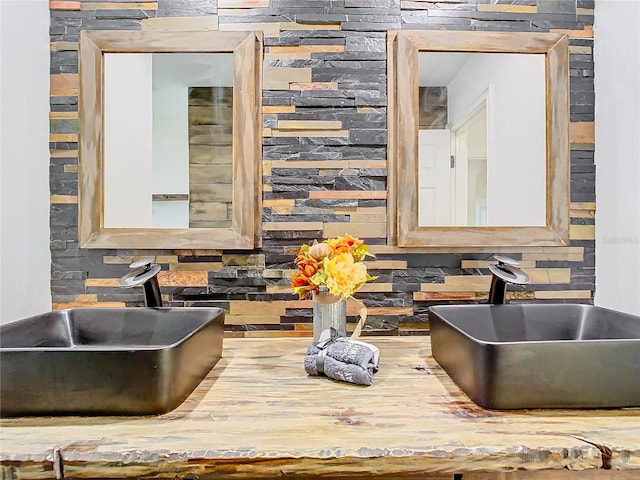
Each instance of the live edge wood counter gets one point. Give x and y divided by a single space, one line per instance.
258 415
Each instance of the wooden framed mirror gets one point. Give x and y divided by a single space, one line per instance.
511 90
169 140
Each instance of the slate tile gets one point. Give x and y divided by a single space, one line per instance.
557 6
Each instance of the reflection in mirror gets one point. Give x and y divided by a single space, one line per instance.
168 140
482 139
478 139
210 155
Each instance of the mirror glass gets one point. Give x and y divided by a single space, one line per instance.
168 131
481 139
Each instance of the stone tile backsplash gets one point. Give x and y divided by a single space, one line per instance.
324 162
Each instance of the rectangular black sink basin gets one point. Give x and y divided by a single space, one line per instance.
106 361
539 355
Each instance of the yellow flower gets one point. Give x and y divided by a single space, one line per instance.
336 263
344 276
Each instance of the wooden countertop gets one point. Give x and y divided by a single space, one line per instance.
258 414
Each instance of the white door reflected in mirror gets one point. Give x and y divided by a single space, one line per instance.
167 140
482 139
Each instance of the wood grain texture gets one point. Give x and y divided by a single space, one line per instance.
131 41
64 5
496 42
599 474
558 149
244 232
210 130
403 137
507 8
90 140
111 5
392 140
258 415
208 22
586 32
64 85
582 132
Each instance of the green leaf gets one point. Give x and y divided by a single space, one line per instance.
319 277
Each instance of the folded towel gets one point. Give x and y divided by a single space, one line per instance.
342 359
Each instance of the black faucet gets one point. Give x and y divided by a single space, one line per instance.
505 271
144 272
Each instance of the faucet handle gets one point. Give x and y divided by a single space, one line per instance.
507 270
144 262
143 272
503 260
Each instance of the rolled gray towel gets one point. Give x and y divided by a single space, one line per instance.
343 359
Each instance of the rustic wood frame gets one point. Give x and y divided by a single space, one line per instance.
245 232
402 211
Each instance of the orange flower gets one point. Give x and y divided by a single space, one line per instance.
344 244
302 285
307 265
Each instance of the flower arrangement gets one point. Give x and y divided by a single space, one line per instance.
336 263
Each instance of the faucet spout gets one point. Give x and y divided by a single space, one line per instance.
504 272
144 272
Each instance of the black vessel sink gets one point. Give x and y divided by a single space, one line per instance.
106 361
539 355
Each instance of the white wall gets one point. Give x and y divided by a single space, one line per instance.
25 260
170 126
516 176
128 137
617 154
170 145
170 139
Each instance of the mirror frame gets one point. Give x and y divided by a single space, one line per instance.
245 232
403 227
